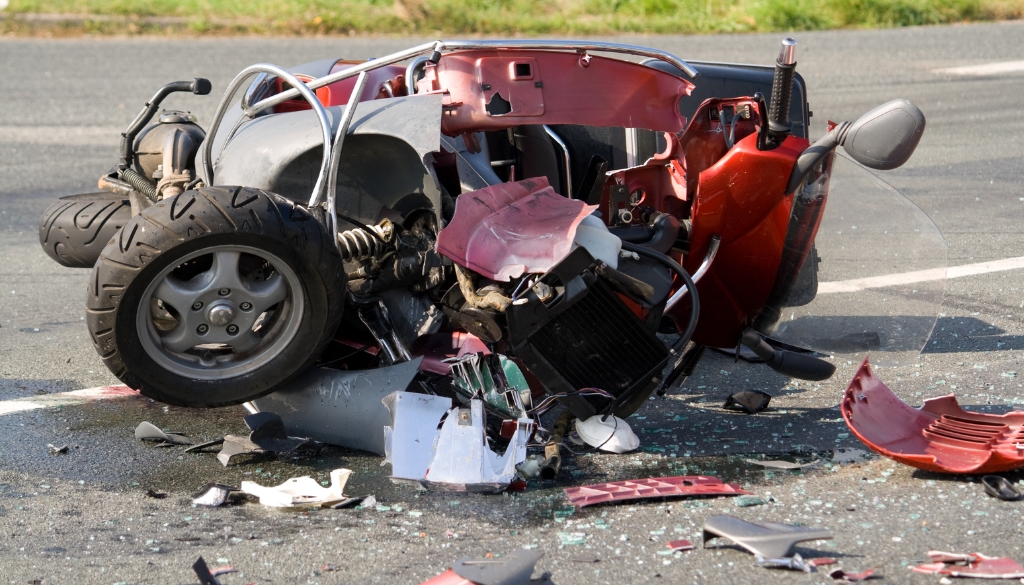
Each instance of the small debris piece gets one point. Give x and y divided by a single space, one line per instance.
147 431
771 540
998 486
748 401
155 494
607 433
970 565
655 487
203 572
679 545
585 559
213 495
300 492
848 455
776 464
822 561
62 450
940 436
515 567
268 433
218 571
794 563
329 568
747 501
234 445
204 446
352 502
840 574
571 538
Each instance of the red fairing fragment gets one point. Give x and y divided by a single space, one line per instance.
973 565
447 578
506 230
679 545
840 574
940 436
655 487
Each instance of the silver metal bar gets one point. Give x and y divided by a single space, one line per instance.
343 74
298 87
701 271
339 142
410 74
632 148
542 45
565 158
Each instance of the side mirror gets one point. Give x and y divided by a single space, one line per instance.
885 137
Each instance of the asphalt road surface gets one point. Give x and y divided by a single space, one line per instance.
84 517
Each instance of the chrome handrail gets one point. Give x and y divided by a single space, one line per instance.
701 271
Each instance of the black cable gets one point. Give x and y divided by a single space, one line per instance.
684 338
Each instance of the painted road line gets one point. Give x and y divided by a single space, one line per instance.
841 286
985 69
66 398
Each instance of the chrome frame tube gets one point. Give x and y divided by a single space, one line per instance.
565 158
701 271
410 74
299 88
339 142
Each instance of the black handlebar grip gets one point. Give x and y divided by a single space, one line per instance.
201 86
782 87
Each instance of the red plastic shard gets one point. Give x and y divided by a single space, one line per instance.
972 565
447 578
940 436
822 561
679 545
506 230
654 487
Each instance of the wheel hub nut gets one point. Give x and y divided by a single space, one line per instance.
220 314
224 292
232 329
202 329
246 306
197 305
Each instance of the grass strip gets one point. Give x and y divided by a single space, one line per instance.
490 17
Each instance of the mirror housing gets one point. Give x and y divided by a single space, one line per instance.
885 137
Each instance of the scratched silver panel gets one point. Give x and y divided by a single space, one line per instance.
338 407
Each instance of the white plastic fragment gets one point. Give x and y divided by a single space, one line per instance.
607 433
463 460
300 492
409 441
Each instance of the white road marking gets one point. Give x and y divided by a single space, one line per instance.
985 69
855 285
66 398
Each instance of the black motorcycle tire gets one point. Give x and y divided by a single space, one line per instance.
213 218
75 229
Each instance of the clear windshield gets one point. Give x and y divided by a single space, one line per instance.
881 270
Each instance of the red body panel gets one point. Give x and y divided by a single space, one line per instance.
606 92
742 199
940 436
337 93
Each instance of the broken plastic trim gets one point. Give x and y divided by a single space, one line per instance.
940 436
655 487
771 540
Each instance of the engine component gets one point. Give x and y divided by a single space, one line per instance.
586 337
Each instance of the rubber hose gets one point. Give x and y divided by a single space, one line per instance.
687 280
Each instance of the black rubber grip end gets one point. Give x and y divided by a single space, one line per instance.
201 86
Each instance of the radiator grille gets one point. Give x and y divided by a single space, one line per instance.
599 343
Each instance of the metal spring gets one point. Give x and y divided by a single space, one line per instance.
357 244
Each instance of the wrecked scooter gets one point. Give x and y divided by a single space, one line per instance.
540 201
